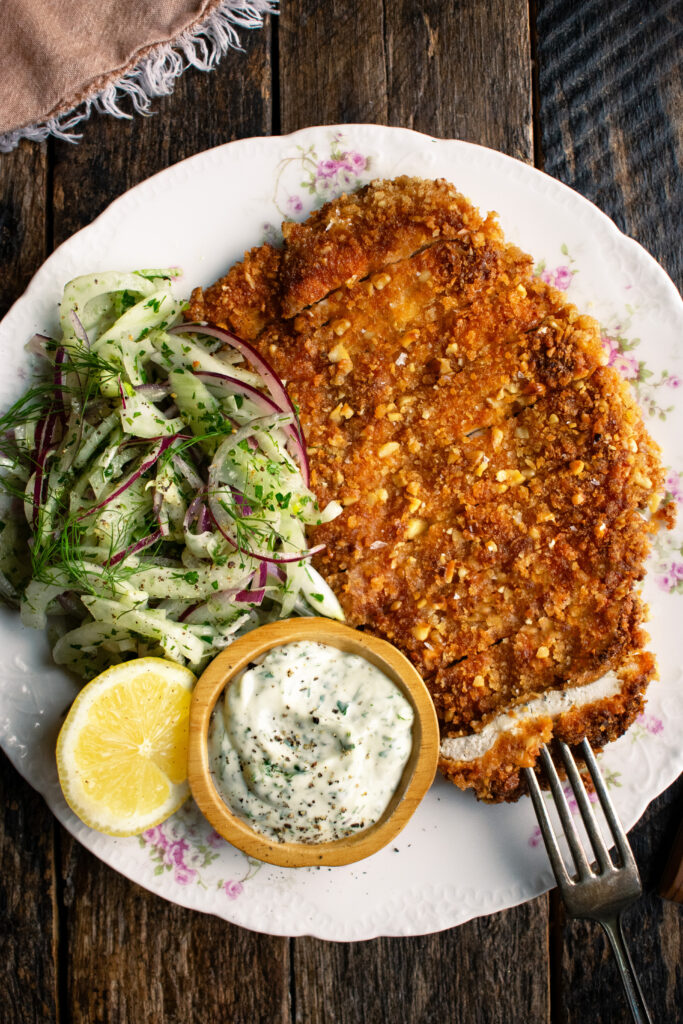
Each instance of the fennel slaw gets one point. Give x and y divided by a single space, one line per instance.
155 484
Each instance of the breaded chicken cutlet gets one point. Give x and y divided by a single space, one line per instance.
493 471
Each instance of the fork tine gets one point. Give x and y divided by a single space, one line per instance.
592 827
582 868
552 848
618 834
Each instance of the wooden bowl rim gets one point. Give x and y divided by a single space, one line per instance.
418 773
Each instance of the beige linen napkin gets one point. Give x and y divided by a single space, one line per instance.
62 58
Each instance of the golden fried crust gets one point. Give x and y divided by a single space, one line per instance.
497 776
493 472
363 232
246 299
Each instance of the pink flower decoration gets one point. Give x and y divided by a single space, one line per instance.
294 204
155 837
672 577
560 277
175 854
535 837
184 875
327 168
563 278
674 486
666 582
354 162
673 381
233 889
627 366
653 724
214 840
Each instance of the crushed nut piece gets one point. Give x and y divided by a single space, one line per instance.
340 327
339 352
415 528
388 449
380 281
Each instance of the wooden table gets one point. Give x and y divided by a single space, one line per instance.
589 92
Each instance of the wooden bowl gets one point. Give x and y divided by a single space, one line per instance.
416 779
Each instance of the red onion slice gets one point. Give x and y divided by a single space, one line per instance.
79 329
139 545
188 611
261 365
186 470
242 503
204 521
250 596
194 510
146 464
268 405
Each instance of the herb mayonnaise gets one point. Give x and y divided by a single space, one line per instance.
309 743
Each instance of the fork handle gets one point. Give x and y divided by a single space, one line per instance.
634 993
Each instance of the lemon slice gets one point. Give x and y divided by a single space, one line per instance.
122 751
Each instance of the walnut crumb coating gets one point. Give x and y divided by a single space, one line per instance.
494 473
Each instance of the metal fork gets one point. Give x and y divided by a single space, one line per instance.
602 891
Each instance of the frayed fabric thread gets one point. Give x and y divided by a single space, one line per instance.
202 46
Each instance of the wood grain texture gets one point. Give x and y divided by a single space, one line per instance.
28 904
611 113
671 885
332 66
462 70
23 218
588 987
28 898
133 958
489 971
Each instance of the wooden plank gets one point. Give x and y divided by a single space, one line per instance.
492 969
588 987
444 69
28 905
332 63
23 191
28 910
610 113
447 70
463 71
609 93
132 956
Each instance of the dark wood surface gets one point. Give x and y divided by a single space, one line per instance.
591 92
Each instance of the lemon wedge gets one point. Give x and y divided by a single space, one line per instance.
122 751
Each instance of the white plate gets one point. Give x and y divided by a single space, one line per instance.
457 858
